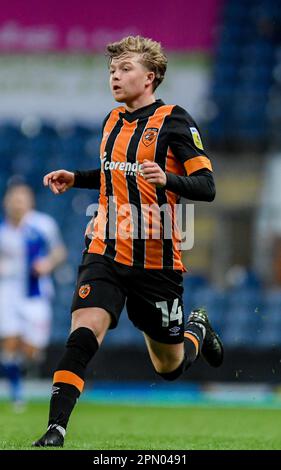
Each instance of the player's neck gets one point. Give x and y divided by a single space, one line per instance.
140 102
15 221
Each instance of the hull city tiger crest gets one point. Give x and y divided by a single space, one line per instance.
149 136
84 291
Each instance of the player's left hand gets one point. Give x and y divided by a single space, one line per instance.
152 173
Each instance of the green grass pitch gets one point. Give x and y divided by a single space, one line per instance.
102 427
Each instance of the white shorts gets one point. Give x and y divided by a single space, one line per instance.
26 317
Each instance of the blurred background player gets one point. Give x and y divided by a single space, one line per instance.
31 248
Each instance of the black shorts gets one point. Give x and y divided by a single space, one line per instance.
153 297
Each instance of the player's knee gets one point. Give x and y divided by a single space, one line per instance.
171 374
96 319
81 346
83 339
166 361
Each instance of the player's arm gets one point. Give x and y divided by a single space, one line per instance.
185 142
199 186
57 256
187 147
56 250
47 264
60 181
89 179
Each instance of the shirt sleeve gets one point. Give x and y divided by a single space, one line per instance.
88 179
185 141
200 186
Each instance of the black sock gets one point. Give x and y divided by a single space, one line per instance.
70 373
193 340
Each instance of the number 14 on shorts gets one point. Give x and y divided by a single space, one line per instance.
175 314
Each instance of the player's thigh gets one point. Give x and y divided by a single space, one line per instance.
36 317
155 306
10 324
165 357
99 297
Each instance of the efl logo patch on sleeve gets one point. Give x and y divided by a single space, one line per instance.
196 138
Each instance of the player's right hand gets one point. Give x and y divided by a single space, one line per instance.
59 181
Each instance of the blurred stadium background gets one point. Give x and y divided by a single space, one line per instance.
225 69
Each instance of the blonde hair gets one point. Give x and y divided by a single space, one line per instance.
152 55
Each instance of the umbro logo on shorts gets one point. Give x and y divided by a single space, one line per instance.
84 291
174 330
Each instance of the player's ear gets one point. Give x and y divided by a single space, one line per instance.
150 77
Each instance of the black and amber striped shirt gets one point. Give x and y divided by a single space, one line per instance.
167 135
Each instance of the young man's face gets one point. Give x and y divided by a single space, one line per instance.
129 79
